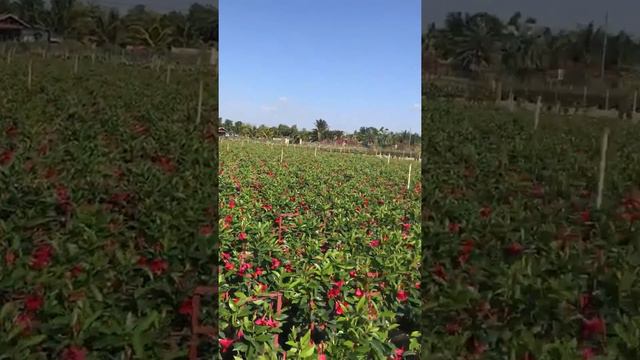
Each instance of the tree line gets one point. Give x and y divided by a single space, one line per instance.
365 136
139 26
520 47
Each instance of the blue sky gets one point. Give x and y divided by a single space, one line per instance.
350 62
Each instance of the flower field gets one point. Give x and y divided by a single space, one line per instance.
518 261
319 254
105 183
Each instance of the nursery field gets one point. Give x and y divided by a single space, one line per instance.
94 169
519 263
319 254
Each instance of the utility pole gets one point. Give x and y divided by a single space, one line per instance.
604 44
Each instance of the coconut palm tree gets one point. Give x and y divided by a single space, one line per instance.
321 128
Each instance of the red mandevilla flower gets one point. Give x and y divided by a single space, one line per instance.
514 249
186 307
585 216
158 266
9 258
485 212
6 157
374 243
33 303
398 353
593 326
74 353
275 263
588 354
232 204
206 230
24 321
402 295
225 343
41 257
242 236
359 293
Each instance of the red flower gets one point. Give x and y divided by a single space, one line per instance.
417 285
374 243
6 157
259 271
288 267
439 272
322 357
24 321
232 204
275 263
584 301
359 292
585 216
588 353
334 292
352 273
228 220
158 266
592 326
242 236
206 230
76 270
406 227
402 295
340 308
225 344
267 207
397 354
485 212
62 194
229 266
41 257
74 353
452 328
454 228
10 258
514 249
186 307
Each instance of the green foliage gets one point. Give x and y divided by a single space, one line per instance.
516 258
86 172
349 227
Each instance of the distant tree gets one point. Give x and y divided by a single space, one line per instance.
321 128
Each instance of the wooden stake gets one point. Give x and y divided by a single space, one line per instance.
511 103
315 153
29 75
606 100
499 92
536 118
199 104
584 96
409 179
281 154
603 164
388 158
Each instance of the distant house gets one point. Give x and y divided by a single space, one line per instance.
12 28
222 131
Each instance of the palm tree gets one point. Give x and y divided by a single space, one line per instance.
321 128
108 27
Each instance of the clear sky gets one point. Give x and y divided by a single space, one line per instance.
352 63
623 14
